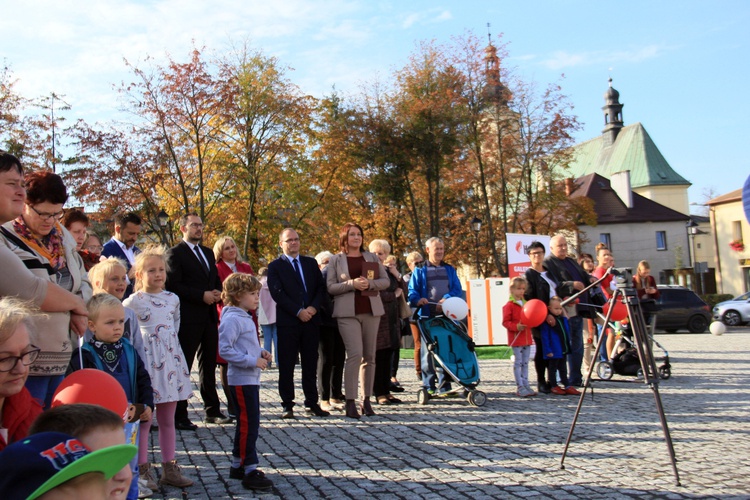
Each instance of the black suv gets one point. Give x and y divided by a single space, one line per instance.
680 307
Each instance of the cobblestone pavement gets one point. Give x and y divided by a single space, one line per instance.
511 447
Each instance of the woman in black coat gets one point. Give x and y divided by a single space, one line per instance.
540 285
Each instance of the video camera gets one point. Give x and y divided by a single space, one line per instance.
623 276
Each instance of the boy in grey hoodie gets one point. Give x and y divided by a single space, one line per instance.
238 344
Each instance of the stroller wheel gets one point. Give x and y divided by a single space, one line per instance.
423 397
477 398
604 370
665 372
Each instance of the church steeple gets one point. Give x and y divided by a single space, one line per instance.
495 93
612 115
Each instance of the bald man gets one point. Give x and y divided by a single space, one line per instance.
572 279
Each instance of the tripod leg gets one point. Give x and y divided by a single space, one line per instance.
665 429
586 385
650 374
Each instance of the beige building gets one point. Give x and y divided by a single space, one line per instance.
730 227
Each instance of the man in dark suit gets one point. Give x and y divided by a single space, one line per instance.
297 286
193 277
571 279
122 244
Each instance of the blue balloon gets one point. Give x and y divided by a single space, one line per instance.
746 198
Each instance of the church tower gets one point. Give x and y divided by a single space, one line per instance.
612 115
494 93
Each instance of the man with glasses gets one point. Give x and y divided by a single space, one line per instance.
193 277
296 285
122 244
571 279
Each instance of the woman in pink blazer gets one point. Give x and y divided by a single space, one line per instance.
357 314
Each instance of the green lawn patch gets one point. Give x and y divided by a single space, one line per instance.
486 352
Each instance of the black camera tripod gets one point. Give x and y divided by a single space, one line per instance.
627 294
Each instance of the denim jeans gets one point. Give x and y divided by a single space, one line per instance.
575 358
43 388
270 338
431 373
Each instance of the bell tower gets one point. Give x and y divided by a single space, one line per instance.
612 115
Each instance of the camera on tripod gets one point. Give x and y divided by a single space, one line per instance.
623 276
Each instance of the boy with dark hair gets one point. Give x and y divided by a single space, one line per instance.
96 427
238 344
63 464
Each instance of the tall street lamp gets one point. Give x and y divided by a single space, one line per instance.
476 226
163 218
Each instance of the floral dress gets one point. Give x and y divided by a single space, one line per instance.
159 319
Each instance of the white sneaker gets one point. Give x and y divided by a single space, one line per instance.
143 490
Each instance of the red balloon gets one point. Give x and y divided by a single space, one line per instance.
534 313
93 387
619 312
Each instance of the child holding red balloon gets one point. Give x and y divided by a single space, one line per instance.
519 336
112 353
159 319
556 345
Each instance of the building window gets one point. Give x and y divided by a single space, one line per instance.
661 240
737 230
606 239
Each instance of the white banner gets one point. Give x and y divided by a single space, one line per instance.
518 254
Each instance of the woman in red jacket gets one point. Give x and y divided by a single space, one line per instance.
17 408
228 261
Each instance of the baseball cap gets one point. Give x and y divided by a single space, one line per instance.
36 464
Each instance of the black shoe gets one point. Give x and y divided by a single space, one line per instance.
256 480
219 419
396 388
237 472
317 411
185 425
543 388
288 414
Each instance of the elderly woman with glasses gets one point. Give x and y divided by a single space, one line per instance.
49 251
17 408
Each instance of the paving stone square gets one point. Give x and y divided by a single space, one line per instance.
511 447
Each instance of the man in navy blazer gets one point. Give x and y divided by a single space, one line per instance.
122 244
193 277
297 286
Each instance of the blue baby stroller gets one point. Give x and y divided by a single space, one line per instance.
451 348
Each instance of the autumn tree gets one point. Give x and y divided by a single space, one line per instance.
263 133
177 111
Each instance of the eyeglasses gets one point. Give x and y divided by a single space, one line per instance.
291 240
57 216
7 364
538 252
94 248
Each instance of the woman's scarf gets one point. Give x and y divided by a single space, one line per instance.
50 247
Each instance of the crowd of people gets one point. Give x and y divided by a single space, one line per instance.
143 315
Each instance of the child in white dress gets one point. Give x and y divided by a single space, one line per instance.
159 319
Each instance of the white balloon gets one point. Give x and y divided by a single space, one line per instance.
717 328
455 308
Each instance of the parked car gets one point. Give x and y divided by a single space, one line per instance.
681 308
733 312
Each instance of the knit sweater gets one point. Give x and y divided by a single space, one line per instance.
52 333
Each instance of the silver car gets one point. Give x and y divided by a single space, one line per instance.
733 312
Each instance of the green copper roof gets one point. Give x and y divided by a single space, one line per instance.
633 150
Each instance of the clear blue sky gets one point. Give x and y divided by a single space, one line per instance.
681 66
